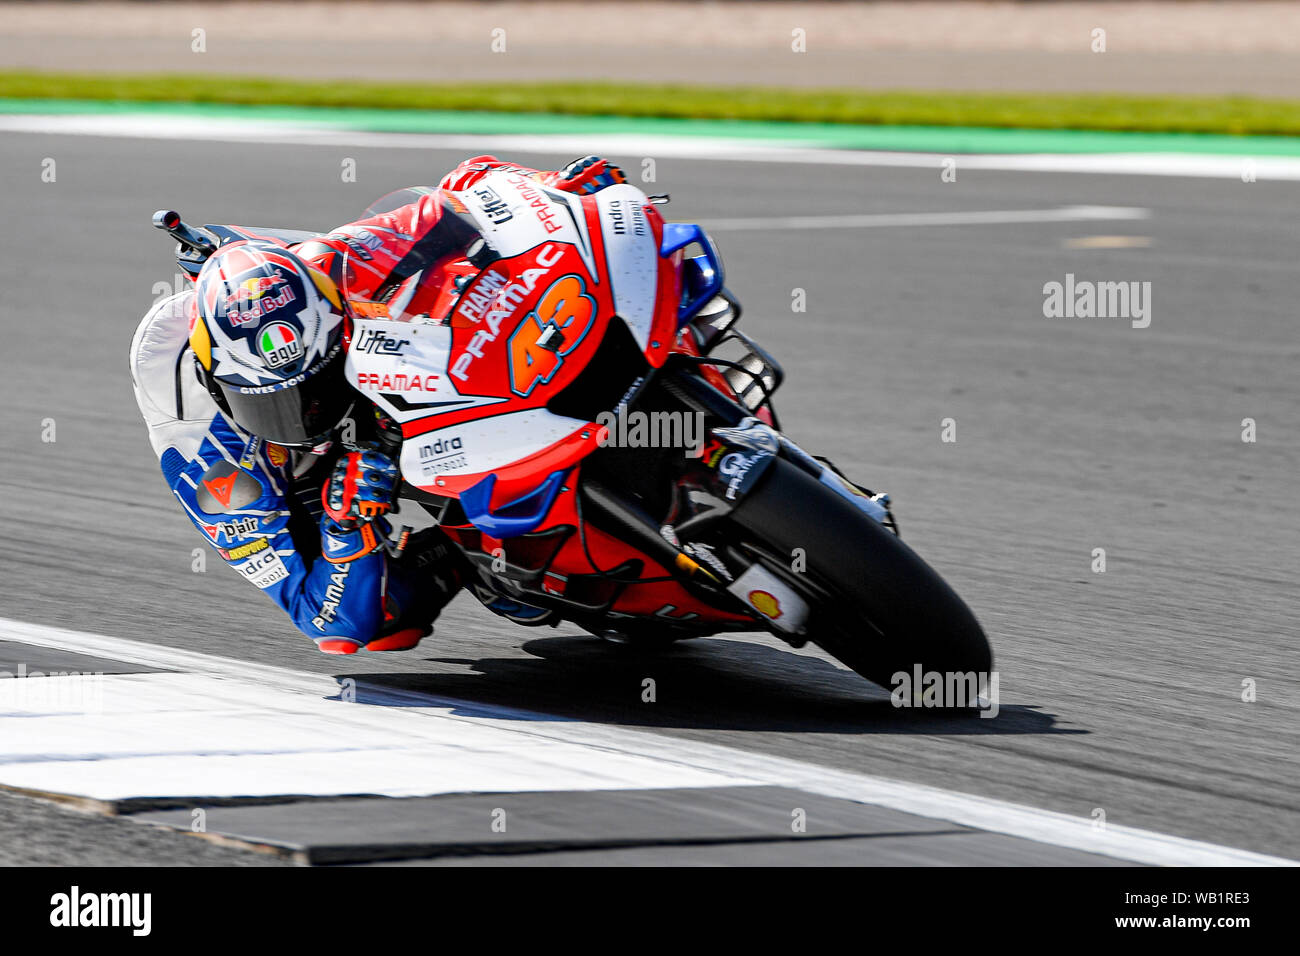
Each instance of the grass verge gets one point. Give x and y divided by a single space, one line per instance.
1236 115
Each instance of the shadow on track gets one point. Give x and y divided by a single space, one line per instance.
716 684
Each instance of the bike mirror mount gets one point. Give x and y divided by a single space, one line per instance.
716 318
170 222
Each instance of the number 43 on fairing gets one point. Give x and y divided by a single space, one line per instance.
547 334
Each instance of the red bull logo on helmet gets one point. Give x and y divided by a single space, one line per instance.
256 297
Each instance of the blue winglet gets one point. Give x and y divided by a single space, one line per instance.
519 516
702 275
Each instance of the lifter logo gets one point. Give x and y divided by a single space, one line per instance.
379 342
75 909
494 207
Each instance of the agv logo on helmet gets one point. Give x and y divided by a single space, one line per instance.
279 345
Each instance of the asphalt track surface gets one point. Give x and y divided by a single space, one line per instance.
1120 690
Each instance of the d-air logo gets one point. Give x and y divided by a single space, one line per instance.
279 345
233 530
565 307
765 603
711 454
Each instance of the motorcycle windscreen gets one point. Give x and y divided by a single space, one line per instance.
396 199
454 234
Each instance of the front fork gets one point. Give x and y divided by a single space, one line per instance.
875 505
750 432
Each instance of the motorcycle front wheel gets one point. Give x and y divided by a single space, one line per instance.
876 606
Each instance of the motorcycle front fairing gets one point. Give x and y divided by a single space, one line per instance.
499 394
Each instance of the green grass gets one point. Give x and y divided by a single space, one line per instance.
1187 114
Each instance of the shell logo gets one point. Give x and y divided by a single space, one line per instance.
765 603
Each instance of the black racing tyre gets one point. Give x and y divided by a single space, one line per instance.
876 605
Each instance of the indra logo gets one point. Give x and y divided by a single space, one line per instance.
442 455
279 345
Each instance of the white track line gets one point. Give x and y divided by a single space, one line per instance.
956 218
398 711
197 735
141 126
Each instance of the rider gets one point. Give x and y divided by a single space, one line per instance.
241 385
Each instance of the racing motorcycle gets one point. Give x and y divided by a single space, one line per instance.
573 402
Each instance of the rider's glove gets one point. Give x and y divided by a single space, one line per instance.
588 175
359 493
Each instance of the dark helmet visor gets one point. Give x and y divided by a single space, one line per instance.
303 413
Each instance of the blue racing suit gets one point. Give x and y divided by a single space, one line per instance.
259 505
